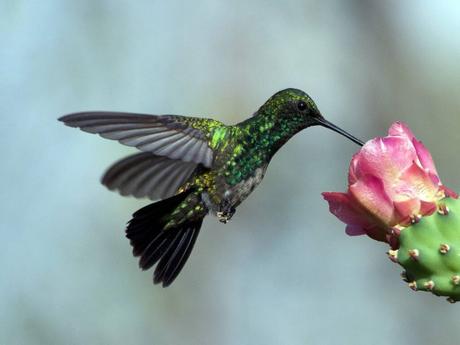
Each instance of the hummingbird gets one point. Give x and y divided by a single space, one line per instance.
193 167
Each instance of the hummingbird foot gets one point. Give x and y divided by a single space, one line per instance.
225 216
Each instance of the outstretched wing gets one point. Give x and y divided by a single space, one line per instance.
147 175
176 137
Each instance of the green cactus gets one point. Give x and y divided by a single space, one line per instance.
429 251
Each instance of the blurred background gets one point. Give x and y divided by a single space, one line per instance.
282 271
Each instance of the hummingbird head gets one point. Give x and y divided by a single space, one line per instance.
296 107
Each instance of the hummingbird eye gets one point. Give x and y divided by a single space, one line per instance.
301 105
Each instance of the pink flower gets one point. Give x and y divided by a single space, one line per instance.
391 181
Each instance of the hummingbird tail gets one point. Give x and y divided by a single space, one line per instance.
158 240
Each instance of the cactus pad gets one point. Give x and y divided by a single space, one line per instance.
429 251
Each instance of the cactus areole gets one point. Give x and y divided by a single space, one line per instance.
396 196
429 251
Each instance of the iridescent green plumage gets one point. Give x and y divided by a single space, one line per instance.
196 166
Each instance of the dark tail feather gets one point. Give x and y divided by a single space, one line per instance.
173 260
170 247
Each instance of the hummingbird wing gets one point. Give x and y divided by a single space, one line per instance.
147 175
173 136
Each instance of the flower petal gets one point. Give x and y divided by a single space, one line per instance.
358 221
355 230
385 158
406 209
424 156
427 208
415 183
352 178
372 231
370 193
377 233
449 192
341 205
401 129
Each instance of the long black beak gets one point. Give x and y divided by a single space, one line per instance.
325 123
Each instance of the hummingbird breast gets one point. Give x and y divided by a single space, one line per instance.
239 192
239 167
226 197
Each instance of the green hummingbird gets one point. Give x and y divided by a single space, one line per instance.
194 166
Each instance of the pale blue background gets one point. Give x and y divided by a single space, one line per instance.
283 271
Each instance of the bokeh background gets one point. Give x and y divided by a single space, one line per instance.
283 271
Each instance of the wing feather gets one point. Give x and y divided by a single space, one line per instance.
164 135
147 175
